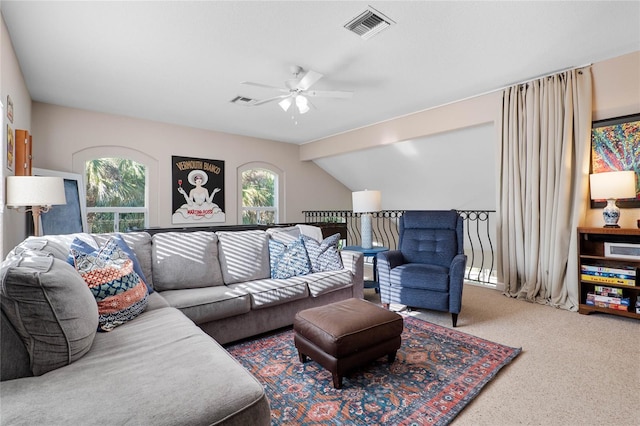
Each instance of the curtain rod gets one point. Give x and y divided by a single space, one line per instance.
509 85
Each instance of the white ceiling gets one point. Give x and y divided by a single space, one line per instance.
182 62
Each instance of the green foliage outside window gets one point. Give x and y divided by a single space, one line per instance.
115 182
258 190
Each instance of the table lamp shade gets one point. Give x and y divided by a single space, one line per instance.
366 201
35 191
613 185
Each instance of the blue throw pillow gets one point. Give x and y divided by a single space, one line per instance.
83 247
288 260
324 255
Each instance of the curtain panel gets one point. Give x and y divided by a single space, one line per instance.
542 195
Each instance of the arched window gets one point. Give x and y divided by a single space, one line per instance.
116 195
260 190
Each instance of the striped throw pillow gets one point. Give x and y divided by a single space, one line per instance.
119 292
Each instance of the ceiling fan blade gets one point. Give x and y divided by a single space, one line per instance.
330 94
265 86
275 98
308 80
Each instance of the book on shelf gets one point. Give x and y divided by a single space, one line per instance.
605 271
597 298
607 291
602 304
608 280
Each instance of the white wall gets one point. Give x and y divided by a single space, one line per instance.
12 223
454 169
61 134
616 92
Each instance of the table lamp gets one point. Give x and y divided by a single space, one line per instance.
37 192
366 202
611 186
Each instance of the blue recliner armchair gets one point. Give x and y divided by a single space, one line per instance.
427 270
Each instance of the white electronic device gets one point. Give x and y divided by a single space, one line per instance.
622 250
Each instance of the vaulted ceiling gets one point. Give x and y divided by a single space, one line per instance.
182 62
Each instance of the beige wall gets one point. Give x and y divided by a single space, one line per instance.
616 92
61 134
12 223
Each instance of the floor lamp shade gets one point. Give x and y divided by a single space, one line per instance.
365 202
37 192
612 186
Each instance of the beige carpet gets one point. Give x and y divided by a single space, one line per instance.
573 370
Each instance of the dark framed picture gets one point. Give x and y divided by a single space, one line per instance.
66 218
197 190
615 146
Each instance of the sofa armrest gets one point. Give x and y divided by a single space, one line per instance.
387 260
353 261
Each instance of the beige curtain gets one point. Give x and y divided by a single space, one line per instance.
542 194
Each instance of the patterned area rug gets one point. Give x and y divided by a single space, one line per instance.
437 372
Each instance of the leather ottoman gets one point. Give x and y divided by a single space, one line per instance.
347 334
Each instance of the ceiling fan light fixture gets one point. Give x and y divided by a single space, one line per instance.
302 103
285 104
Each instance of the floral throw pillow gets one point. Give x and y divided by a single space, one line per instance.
288 259
119 292
324 255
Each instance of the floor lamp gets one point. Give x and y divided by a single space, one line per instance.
610 186
366 202
36 194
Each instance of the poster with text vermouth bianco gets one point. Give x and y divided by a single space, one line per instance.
197 191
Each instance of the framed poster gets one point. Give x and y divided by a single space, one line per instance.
197 190
68 218
615 146
11 145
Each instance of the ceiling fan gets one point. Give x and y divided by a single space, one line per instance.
298 89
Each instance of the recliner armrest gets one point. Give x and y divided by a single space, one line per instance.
387 260
456 282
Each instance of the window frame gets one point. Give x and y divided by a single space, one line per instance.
278 189
81 158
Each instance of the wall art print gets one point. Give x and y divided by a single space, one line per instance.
615 145
10 148
9 108
197 191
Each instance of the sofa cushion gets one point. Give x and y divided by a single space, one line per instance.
328 281
50 307
284 234
160 369
209 304
324 255
244 256
185 260
138 243
265 293
119 292
14 358
412 275
56 245
288 259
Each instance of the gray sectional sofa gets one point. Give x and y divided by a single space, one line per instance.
167 365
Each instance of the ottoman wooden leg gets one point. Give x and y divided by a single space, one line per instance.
337 381
392 357
302 357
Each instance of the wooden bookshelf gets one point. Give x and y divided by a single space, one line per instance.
591 252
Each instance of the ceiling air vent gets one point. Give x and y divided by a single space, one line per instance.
368 23
241 100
